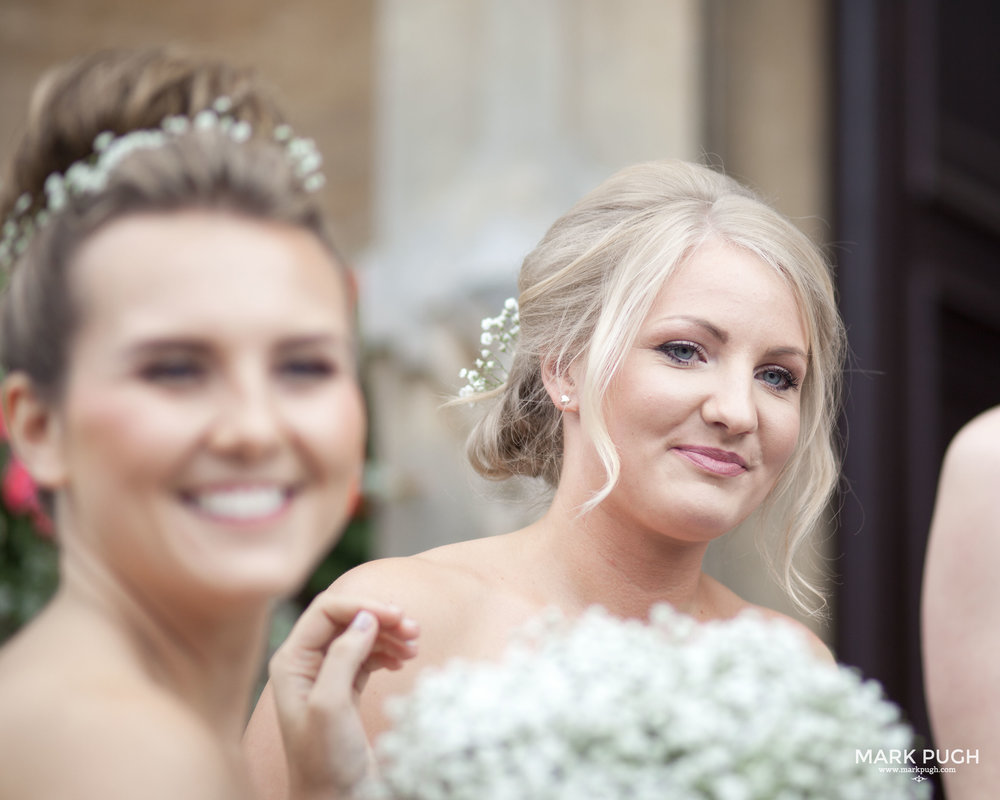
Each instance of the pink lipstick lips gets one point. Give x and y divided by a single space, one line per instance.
710 459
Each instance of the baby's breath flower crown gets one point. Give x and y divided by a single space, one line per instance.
499 336
90 176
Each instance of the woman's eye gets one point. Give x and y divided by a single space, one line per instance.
680 352
173 371
308 368
778 378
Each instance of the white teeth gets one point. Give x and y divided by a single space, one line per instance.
248 503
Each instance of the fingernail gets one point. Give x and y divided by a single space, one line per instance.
363 621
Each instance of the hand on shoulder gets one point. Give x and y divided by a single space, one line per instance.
309 709
436 593
317 676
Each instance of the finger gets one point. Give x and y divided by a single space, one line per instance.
395 647
379 661
331 678
328 614
345 662
389 615
406 628
392 621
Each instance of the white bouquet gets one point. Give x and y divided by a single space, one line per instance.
606 708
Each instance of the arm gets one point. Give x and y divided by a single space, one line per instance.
961 608
305 738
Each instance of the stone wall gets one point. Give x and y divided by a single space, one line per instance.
317 53
454 132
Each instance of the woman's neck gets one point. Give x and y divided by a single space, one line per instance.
597 558
206 658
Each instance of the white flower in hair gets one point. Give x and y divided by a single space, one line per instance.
102 141
500 332
241 131
205 119
176 125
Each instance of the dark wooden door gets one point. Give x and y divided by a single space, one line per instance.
918 252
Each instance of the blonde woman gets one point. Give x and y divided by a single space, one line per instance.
177 343
676 372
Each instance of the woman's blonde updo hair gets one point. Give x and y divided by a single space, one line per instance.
122 91
587 287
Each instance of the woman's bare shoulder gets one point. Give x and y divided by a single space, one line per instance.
818 647
442 575
92 738
967 507
987 421
729 604
461 598
977 444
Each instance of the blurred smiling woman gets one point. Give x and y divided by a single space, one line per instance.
177 335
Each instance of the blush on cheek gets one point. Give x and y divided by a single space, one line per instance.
106 419
120 432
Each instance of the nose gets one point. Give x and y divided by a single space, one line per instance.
246 425
730 403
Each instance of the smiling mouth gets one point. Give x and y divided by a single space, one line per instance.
240 504
718 462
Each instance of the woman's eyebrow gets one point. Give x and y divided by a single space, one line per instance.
787 351
723 336
155 344
713 330
309 339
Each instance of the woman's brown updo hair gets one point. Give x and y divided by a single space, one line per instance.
122 91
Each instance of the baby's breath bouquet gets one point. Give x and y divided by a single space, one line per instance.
672 710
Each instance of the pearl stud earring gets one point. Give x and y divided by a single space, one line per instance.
564 399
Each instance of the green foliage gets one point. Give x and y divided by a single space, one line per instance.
352 549
28 572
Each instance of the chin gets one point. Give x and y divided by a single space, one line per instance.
260 578
245 595
701 527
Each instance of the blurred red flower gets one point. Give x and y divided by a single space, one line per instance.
19 493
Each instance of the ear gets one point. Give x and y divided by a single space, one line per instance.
560 385
34 431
